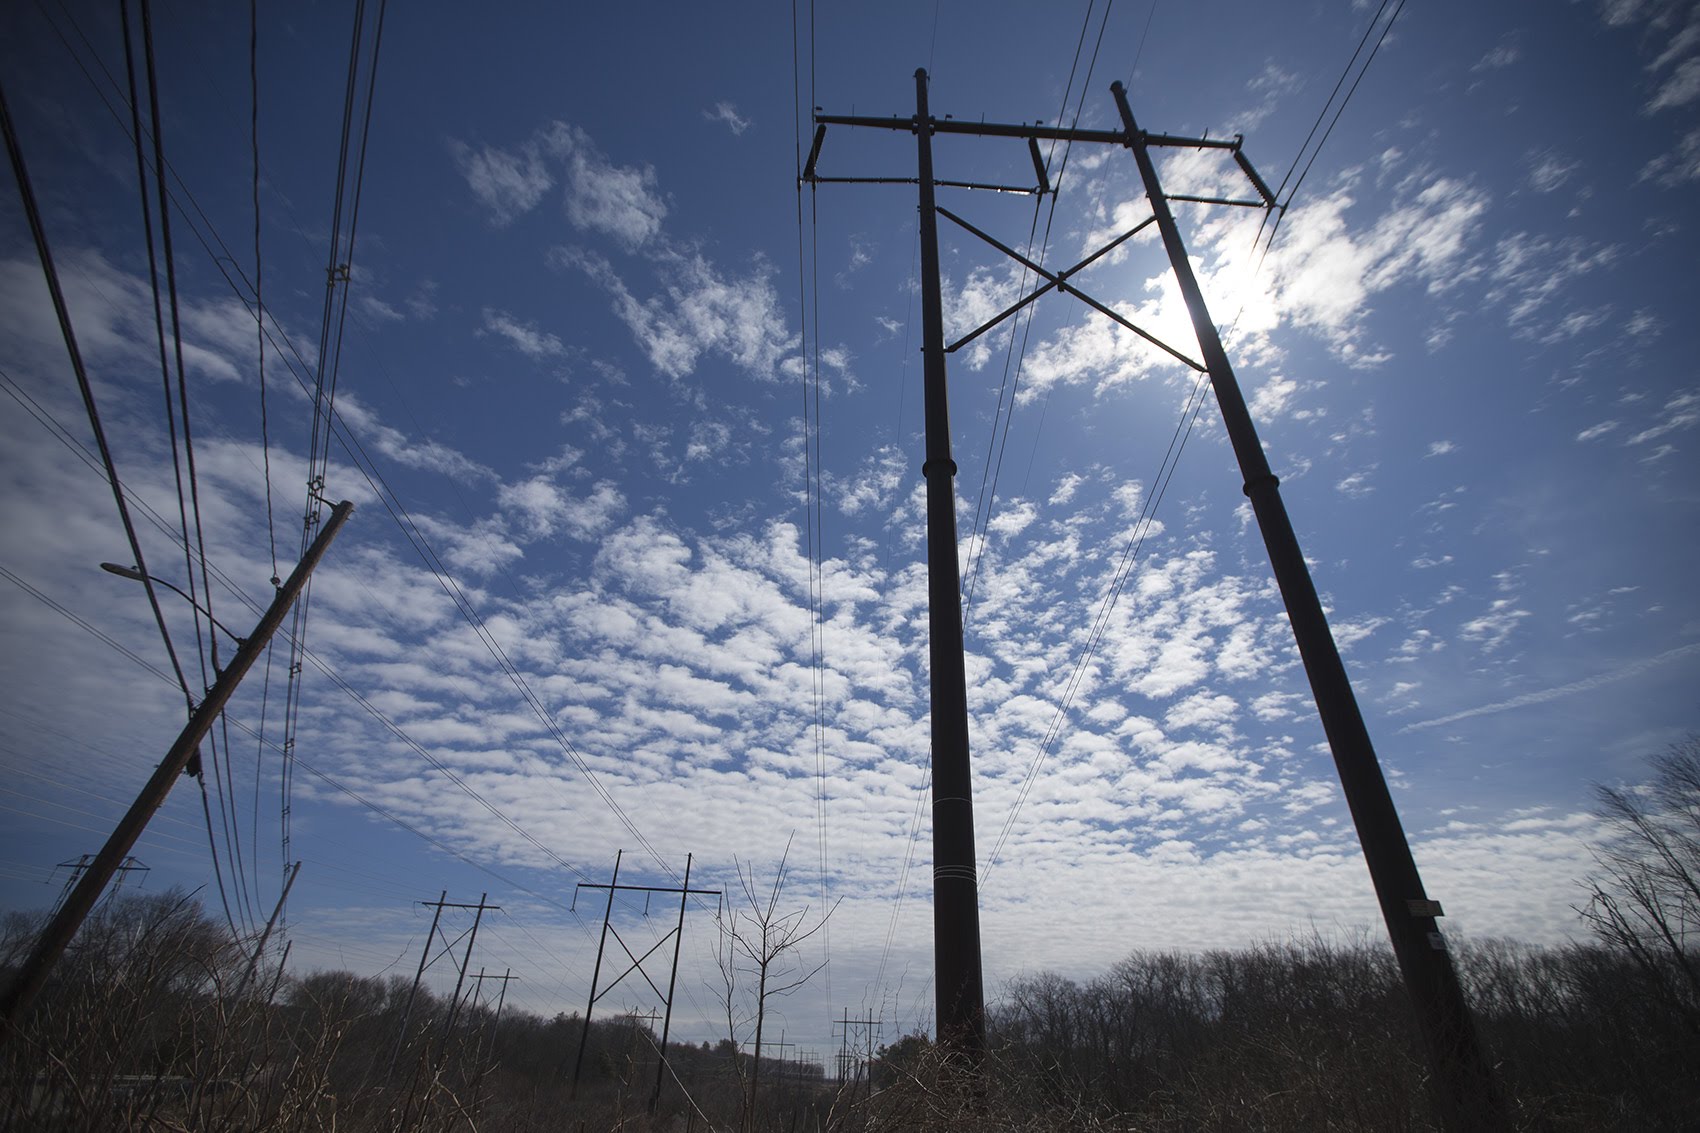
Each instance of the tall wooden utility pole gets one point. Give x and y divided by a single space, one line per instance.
956 888
1465 1092
958 984
64 924
1464 1085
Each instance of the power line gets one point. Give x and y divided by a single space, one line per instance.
1341 109
37 230
808 303
265 423
318 454
354 694
33 213
1130 556
1139 51
1044 245
398 512
225 784
976 530
259 275
1387 27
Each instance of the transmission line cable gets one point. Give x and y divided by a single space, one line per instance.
327 778
337 679
55 606
809 313
1345 73
1353 89
1100 624
1341 109
38 232
1139 51
1026 336
323 399
259 274
265 423
363 463
223 778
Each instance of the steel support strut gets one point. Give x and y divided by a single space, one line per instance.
956 897
1463 1083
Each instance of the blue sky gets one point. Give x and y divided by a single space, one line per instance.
576 357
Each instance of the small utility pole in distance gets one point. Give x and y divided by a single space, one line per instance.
426 960
125 868
63 926
853 1063
483 1051
677 933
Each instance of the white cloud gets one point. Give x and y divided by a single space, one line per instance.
1549 170
1066 488
523 337
1495 627
1324 272
1680 88
1503 55
1542 696
727 113
1272 398
1528 272
544 508
617 201
1682 411
1678 166
602 197
508 184
1357 484
702 311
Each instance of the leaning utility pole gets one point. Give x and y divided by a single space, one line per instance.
64 924
1464 1085
1465 1092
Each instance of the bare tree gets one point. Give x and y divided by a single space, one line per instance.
1646 898
760 944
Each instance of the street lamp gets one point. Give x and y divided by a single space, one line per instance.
137 576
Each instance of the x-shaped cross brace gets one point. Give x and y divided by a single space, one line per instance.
1059 281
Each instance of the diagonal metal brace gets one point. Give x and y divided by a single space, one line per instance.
1061 284
1061 275
637 964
